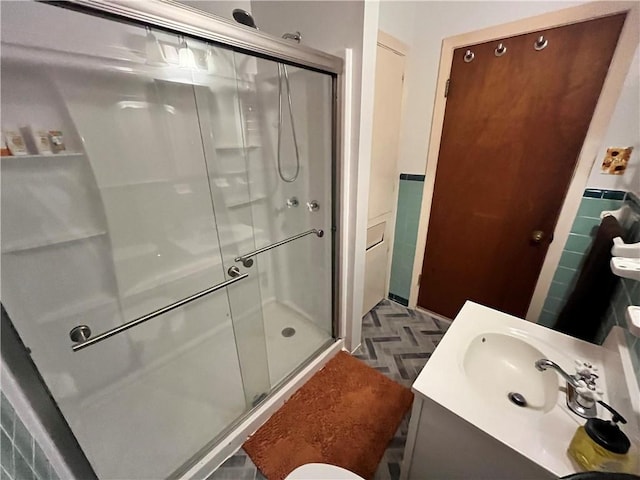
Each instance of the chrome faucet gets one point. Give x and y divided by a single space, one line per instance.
581 388
544 363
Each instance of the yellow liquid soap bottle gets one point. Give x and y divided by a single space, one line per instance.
601 446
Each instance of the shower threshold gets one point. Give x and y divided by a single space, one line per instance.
209 458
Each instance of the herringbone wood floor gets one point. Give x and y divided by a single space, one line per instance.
396 341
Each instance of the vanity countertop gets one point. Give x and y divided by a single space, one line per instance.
543 433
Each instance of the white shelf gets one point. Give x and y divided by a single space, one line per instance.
633 319
626 267
43 157
74 237
628 250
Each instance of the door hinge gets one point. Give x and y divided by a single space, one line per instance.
446 88
419 278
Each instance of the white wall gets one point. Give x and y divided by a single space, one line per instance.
398 19
433 21
623 131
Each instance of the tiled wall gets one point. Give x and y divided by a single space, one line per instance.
406 234
582 233
21 457
627 292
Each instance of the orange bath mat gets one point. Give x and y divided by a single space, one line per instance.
345 415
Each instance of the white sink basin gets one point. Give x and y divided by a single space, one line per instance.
463 392
497 365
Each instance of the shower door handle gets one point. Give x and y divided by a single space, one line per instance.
247 261
84 341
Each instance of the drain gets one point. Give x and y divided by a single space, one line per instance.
517 399
288 332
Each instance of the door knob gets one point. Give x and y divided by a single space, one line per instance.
537 236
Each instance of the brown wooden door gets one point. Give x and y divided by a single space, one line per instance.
513 129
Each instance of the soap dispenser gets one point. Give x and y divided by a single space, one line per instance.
601 446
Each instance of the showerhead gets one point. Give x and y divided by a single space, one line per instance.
244 17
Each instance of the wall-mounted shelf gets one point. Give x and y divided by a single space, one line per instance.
633 319
626 267
627 250
620 214
73 237
42 157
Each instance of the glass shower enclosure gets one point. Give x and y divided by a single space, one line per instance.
159 264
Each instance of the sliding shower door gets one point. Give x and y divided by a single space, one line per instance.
167 231
113 227
271 185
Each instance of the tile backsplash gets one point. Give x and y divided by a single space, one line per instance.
406 234
21 458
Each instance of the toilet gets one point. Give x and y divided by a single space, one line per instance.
321 471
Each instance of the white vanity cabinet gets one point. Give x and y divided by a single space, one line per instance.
441 445
464 423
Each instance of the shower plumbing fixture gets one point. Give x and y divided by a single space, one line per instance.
245 18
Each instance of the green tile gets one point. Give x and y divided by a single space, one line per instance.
553 305
411 231
571 260
400 283
414 188
395 282
558 290
564 275
592 207
585 225
577 243
548 319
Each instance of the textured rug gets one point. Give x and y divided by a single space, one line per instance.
345 415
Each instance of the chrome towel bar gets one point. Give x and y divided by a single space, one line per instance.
82 332
246 258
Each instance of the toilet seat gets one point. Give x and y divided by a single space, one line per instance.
321 471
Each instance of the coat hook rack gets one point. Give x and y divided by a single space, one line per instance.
469 56
541 43
500 50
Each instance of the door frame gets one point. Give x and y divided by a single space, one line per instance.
620 63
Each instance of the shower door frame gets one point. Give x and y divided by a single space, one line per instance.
181 19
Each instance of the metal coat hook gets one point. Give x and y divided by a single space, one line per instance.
500 50
541 43
469 56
